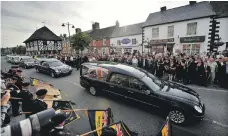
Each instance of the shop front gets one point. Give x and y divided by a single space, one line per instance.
192 45
161 45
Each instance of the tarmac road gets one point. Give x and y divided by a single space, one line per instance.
141 120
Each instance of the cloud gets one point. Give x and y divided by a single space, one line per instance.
20 19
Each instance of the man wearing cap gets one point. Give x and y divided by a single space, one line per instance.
39 104
27 99
14 93
58 123
19 79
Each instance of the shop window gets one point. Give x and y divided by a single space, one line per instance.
127 50
191 28
170 31
134 41
191 49
155 32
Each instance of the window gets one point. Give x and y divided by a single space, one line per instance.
191 49
136 84
191 28
118 42
170 31
128 50
155 32
134 41
119 79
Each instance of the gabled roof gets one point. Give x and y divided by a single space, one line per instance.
88 31
43 34
127 30
197 10
101 33
220 8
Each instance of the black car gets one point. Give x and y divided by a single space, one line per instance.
53 67
27 62
180 102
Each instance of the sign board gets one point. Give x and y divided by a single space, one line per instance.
125 41
161 41
192 39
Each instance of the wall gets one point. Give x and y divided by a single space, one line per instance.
180 30
129 45
223 32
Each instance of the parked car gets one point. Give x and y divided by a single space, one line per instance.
178 101
53 67
15 60
27 62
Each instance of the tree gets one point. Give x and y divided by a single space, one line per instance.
20 49
80 41
14 50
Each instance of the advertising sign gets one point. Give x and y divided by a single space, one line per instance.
125 41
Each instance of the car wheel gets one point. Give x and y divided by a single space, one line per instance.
52 75
177 116
25 67
37 70
93 91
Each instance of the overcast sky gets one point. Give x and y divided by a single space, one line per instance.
20 19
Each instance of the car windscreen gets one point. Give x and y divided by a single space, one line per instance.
55 63
153 82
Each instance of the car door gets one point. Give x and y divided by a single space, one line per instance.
118 84
140 92
46 68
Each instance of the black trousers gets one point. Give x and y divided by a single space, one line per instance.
15 107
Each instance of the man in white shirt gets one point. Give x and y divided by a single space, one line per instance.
135 61
213 65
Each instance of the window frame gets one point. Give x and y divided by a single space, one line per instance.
192 28
114 73
134 39
155 34
170 30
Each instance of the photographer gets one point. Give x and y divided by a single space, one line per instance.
4 107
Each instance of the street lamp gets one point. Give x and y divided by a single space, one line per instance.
68 26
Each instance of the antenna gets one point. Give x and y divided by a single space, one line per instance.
43 23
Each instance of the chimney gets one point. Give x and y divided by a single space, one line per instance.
95 26
77 30
117 23
192 2
163 8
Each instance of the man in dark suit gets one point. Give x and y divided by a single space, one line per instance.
39 104
207 73
19 79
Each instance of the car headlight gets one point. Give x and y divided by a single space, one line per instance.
198 109
57 71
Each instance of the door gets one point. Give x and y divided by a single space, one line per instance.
139 92
44 67
118 84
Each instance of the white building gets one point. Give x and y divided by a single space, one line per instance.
127 39
183 29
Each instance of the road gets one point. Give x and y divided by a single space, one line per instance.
143 121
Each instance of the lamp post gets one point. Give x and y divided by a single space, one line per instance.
68 26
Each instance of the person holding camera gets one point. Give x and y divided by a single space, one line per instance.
4 107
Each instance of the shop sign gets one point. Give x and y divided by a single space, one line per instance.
125 41
192 39
161 41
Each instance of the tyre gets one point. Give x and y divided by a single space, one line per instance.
92 91
37 70
52 74
25 67
177 116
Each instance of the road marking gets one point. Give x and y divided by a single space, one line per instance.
208 89
74 83
216 122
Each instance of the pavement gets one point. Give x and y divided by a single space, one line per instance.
144 121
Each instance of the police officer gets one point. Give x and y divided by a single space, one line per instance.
14 93
39 104
58 123
27 99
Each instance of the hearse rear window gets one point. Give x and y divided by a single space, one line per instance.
95 72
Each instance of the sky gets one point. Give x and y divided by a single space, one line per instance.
21 18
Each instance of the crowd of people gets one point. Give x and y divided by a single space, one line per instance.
205 70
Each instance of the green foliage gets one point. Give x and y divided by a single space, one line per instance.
80 41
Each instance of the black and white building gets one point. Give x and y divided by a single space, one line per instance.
43 41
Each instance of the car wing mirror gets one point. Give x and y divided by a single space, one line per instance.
147 92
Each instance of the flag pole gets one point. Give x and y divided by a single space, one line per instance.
90 132
61 110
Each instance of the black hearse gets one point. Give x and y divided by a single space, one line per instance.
180 102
